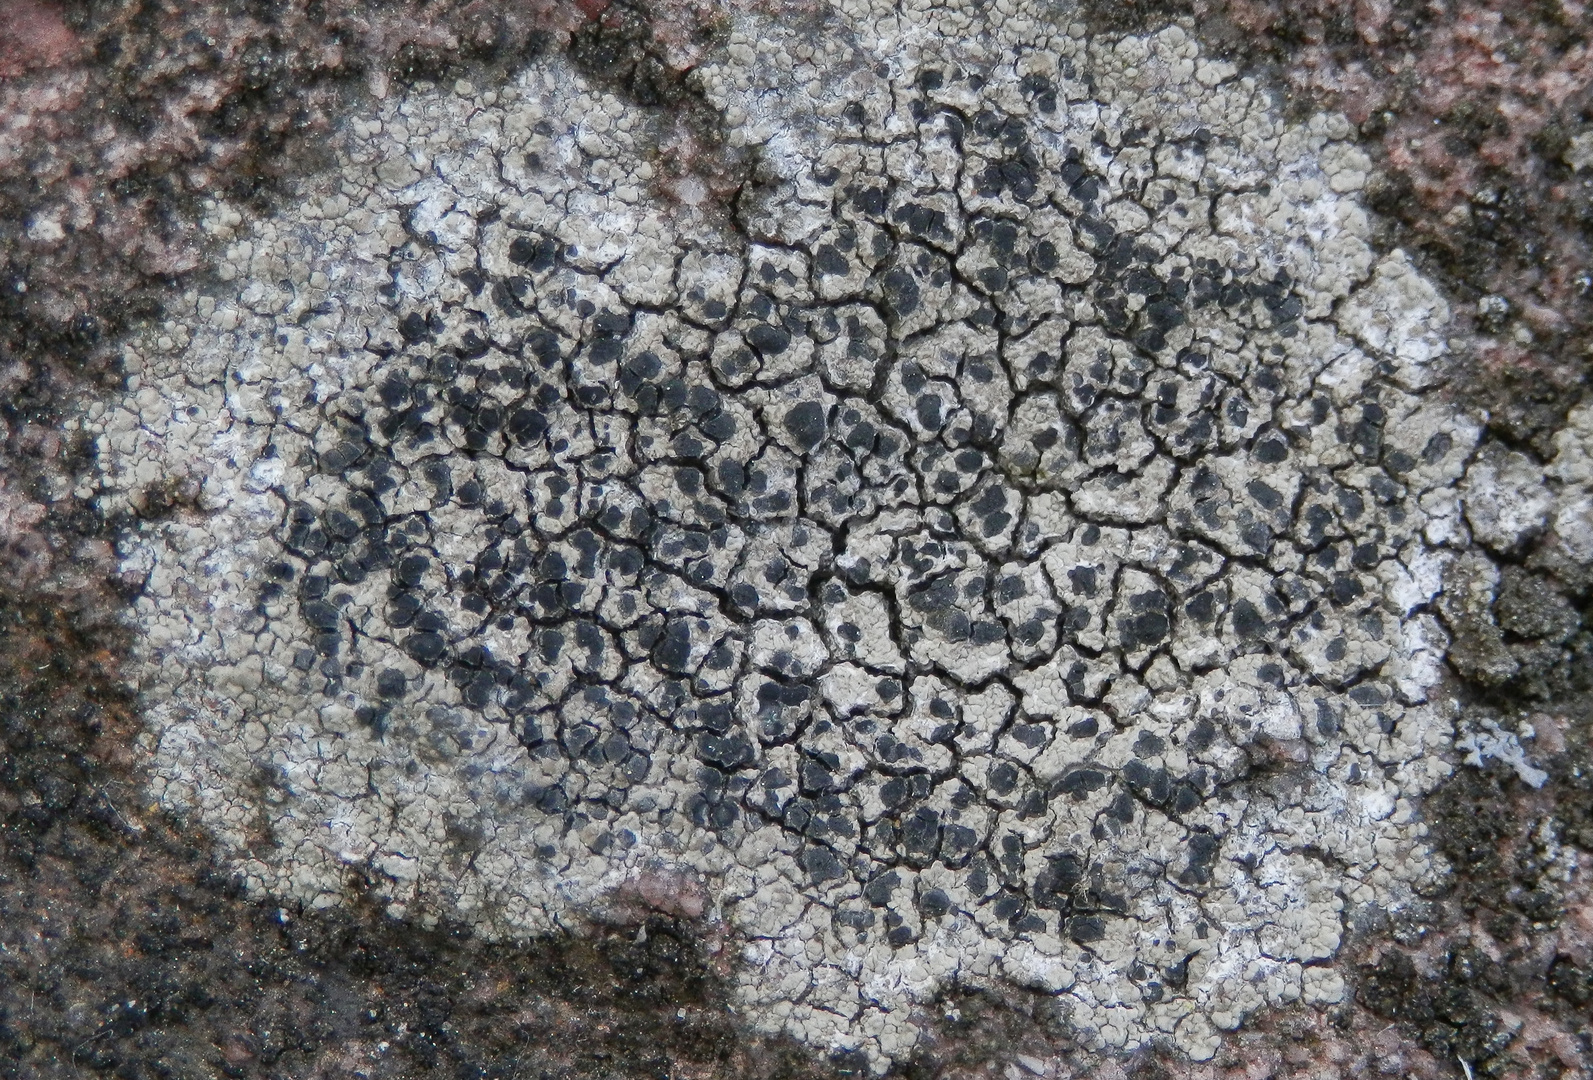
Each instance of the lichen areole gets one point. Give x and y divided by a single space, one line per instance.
997 546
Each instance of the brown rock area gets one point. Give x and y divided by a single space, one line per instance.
123 952
119 118
1475 108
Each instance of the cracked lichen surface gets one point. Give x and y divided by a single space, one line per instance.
999 547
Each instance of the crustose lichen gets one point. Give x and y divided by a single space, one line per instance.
999 549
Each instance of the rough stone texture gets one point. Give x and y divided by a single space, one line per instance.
1536 589
1476 113
119 118
125 953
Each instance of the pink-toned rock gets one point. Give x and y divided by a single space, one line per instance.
32 35
672 891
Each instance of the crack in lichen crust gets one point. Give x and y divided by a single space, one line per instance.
1001 548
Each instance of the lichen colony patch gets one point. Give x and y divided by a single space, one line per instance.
998 548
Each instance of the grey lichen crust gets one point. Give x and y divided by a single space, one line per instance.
1000 549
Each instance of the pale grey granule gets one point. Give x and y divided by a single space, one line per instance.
1004 553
